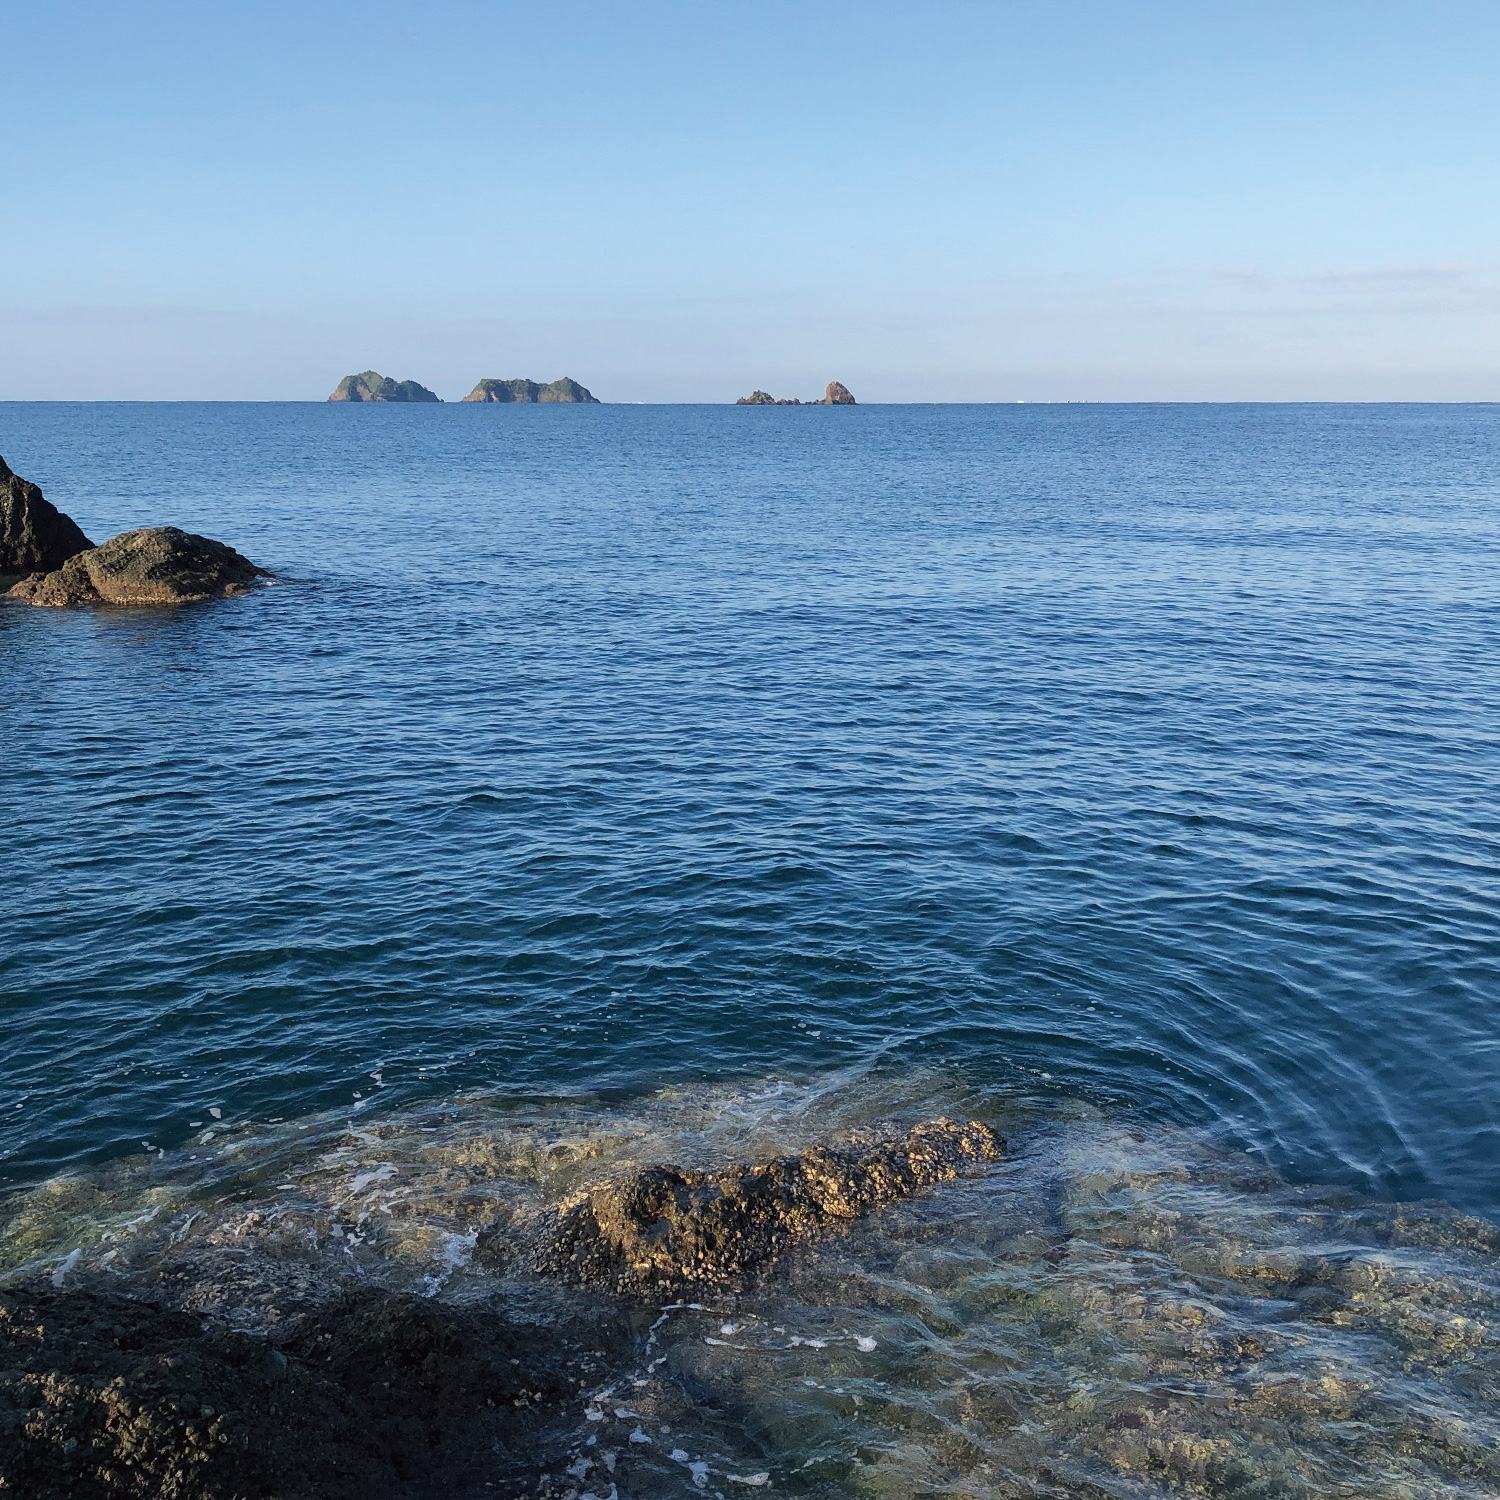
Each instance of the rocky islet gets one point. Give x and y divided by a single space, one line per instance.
836 394
371 385
566 390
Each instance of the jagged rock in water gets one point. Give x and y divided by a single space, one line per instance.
153 565
373 386
761 398
35 536
671 1226
523 390
836 394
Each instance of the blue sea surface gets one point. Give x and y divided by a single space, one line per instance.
1143 755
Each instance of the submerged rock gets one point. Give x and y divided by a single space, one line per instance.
668 1226
373 386
528 391
153 565
34 534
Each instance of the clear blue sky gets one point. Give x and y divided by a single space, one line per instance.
669 201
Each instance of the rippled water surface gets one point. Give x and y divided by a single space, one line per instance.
1138 760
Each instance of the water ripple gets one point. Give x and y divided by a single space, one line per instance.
1149 749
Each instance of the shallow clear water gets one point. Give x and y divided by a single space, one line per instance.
1120 1310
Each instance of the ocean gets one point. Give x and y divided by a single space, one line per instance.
697 781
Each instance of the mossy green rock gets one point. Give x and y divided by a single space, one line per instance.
373 386
524 390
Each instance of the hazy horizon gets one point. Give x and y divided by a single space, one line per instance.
971 202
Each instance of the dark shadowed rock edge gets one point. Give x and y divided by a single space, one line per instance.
35 536
379 1395
373 1397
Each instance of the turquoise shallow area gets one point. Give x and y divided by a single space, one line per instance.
1143 754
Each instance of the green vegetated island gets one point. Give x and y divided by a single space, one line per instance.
373 386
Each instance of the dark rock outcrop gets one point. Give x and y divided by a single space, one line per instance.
373 386
761 398
154 565
836 394
668 1227
528 391
373 1397
34 534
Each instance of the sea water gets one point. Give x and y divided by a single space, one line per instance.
595 786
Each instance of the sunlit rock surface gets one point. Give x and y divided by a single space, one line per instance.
152 565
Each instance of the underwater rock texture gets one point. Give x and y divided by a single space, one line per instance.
670 1226
1116 1310
153 565
34 534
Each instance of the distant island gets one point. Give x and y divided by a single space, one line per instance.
837 394
373 386
528 390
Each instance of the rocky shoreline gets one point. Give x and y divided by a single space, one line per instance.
376 1393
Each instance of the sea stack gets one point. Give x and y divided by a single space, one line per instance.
373 386
837 394
528 391
35 536
764 398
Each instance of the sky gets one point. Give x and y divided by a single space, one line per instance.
931 201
